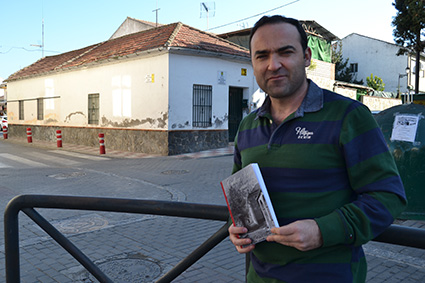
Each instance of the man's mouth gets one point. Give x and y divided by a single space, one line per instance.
276 77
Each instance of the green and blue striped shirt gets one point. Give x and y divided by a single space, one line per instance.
327 161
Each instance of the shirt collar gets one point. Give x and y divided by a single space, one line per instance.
313 101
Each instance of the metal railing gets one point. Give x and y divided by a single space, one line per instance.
27 203
395 234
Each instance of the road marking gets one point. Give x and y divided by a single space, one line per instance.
79 155
22 160
2 165
54 159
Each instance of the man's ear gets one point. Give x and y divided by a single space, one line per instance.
307 57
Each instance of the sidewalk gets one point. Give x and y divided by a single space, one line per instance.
117 153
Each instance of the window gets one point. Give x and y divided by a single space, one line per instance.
93 109
40 108
421 68
21 110
202 105
354 67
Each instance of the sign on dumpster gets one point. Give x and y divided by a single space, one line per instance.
405 127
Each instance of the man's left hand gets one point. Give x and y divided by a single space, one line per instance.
303 235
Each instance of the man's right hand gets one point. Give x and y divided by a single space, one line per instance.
234 233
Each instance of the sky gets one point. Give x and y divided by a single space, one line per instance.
70 25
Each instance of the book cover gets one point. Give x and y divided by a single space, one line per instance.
249 203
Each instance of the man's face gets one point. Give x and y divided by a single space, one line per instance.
278 59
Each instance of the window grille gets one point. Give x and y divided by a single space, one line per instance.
354 67
40 108
93 109
21 110
202 106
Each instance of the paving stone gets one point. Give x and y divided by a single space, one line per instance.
167 240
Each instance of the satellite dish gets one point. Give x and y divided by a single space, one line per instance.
207 10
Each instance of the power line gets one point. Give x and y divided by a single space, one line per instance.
25 49
254 15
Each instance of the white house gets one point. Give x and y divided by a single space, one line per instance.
3 97
166 90
132 25
372 56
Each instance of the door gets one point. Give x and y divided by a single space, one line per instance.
235 111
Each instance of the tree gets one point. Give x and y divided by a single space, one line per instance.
409 24
343 71
375 82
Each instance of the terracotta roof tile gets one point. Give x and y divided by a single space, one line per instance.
173 35
47 64
192 38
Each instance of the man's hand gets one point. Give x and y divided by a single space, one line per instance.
303 235
234 238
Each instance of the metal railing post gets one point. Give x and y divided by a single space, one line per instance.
67 245
11 242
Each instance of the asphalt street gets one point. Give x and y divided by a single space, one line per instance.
134 247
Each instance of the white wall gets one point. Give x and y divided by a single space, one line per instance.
412 74
376 57
132 93
188 70
147 93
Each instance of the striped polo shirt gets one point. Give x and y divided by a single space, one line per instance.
327 161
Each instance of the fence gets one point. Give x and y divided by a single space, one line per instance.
395 234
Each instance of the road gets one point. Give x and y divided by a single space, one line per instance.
25 169
141 248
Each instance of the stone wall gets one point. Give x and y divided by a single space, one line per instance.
379 103
348 92
194 141
144 141
321 69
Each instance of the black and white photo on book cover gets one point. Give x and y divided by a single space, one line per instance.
249 203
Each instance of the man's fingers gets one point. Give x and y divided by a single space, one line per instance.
237 230
234 233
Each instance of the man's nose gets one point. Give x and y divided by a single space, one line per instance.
274 63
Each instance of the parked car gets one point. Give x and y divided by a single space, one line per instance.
3 121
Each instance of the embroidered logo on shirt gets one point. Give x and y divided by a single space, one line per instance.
303 133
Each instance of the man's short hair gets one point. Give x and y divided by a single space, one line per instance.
277 19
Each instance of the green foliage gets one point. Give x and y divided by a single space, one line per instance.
343 72
409 24
342 69
375 82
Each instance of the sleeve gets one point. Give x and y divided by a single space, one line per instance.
237 161
373 177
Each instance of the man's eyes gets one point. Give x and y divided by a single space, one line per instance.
286 52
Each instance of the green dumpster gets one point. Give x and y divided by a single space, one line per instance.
403 127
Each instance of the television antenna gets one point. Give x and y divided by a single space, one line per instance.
42 32
207 10
156 11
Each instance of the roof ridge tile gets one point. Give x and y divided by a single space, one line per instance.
78 56
174 34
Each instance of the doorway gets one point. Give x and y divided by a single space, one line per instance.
235 110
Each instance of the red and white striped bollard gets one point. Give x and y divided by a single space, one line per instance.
5 132
29 135
102 144
59 138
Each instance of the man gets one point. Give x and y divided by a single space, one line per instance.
333 183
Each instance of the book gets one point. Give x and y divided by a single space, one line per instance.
249 203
